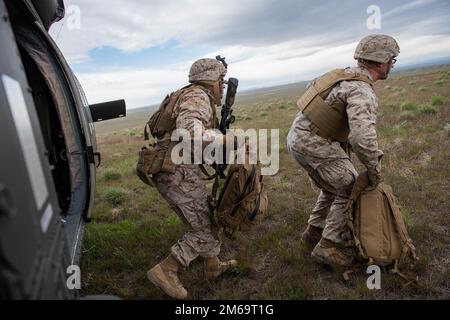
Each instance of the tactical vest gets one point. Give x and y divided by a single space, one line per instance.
328 121
161 124
157 156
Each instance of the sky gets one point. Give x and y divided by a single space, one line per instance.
140 50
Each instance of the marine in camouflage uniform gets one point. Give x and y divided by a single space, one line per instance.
326 161
185 190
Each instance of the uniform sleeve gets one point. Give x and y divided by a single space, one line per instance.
362 106
194 113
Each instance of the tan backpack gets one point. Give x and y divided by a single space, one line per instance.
242 200
376 222
155 158
162 122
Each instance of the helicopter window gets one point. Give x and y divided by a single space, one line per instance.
51 130
27 139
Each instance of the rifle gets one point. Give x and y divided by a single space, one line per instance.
226 113
227 117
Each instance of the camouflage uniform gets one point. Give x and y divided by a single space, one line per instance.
326 161
185 191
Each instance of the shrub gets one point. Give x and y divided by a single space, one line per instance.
283 106
392 106
422 89
427 109
437 100
114 196
111 175
439 82
406 115
406 218
409 106
263 114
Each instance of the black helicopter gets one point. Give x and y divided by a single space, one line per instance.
48 155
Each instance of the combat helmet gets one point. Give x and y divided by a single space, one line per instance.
377 47
206 70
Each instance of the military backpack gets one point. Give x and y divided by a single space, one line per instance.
376 222
242 200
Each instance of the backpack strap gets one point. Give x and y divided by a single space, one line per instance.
328 81
258 201
408 246
360 184
250 180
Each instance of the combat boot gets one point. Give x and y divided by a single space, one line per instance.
332 254
311 236
164 276
214 267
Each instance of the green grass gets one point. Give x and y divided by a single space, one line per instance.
437 100
407 115
427 109
392 106
409 106
114 197
110 175
407 218
133 227
396 89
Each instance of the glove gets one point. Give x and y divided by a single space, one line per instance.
375 179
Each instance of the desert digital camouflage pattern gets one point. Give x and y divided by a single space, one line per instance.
196 111
206 70
184 190
377 47
326 161
187 194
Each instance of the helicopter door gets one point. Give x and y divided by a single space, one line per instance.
32 246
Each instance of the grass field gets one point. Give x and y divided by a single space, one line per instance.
133 228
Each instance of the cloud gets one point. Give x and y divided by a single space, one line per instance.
254 68
138 87
406 7
135 25
265 42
